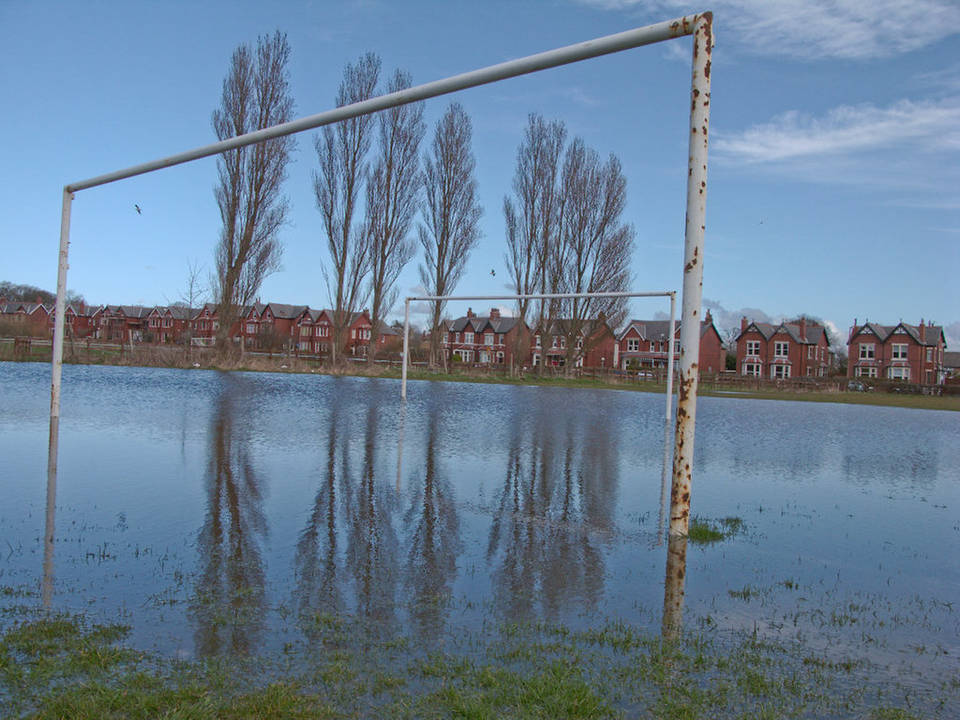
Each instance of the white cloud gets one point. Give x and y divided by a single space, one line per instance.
818 29
844 130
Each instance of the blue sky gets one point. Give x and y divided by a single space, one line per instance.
834 157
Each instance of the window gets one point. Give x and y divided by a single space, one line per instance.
305 331
870 372
500 357
751 369
899 351
488 339
168 322
538 341
468 338
536 357
579 343
753 348
810 350
676 346
563 341
780 372
929 354
500 339
556 341
633 344
456 337
484 357
867 351
898 373
781 349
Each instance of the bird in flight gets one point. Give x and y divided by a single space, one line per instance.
137 208
493 273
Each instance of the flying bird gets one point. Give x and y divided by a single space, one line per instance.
137 208
493 273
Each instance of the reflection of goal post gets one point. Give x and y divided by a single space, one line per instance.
700 26
559 296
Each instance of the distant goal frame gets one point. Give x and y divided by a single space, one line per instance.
672 294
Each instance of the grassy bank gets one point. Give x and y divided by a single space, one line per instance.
55 666
175 357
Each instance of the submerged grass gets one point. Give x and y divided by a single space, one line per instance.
61 666
704 531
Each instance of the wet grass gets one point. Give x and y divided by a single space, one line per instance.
705 532
55 666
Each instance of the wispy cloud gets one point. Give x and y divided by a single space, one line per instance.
846 130
818 29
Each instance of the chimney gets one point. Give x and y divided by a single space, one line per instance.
803 327
743 323
494 313
470 313
923 334
708 318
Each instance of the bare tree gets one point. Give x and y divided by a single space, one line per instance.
342 150
256 95
393 192
451 213
533 217
594 248
191 295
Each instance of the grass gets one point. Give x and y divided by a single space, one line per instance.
705 532
57 666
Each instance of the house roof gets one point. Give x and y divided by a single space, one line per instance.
931 333
480 323
286 312
814 332
658 329
951 360
561 326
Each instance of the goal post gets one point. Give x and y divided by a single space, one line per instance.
672 294
699 25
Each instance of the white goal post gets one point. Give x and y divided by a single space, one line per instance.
700 26
672 294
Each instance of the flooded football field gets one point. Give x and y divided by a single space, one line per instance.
240 514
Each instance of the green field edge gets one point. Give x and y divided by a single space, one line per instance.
299 366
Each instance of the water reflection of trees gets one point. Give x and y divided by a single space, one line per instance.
553 512
433 543
349 541
229 600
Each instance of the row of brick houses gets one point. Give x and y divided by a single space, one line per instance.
270 326
496 340
912 353
801 348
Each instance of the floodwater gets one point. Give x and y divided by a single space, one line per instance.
210 511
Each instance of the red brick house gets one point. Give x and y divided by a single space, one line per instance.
204 325
313 332
594 345
645 344
120 323
799 348
488 340
168 324
912 353
27 318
